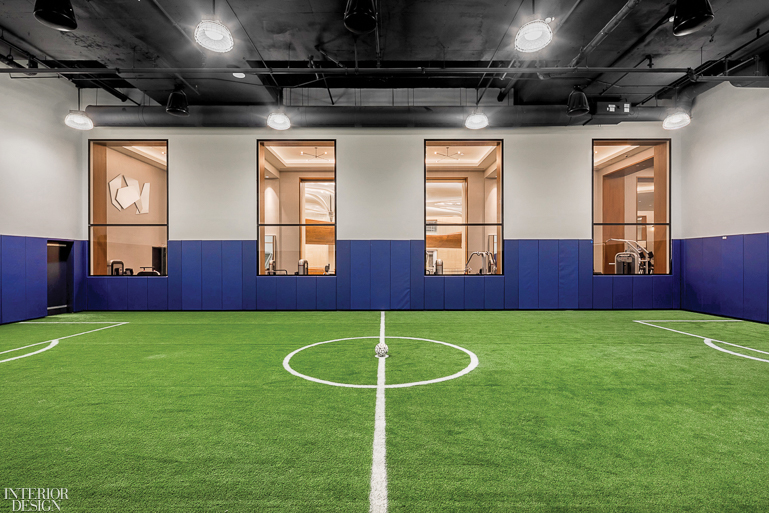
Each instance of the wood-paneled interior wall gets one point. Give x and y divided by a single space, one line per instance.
99 199
661 235
613 212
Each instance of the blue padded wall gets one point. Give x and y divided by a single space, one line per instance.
662 292
643 292
192 275
756 270
585 279
326 293
510 270
417 296
286 292
528 274
232 275
454 289
174 265
602 292
622 292
211 274
136 291
731 285
157 293
475 295
380 275
343 266
79 262
360 275
36 277
267 292
434 292
14 294
250 264
400 274
1 279
568 274
494 292
307 293
548 274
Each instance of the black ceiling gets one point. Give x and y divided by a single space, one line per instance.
414 33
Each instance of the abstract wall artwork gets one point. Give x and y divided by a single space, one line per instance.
123 196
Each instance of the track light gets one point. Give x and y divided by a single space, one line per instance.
214 35
577 104
691 16
476 121
679 118
177 103
57 14
78 119
278 121
534 36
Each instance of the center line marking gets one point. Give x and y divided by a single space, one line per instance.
378 495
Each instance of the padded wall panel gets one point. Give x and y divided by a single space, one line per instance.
548 274
157 293
731 277
211 274
380 274
360 275
136 288
267 292
568 274
343 270
1 279
286 292
622 291
475 297
494 292
79 261
36 277
711 269
98 293
326 292
602 292
232 275
417 295
454 293
108 293
14 294
192 274
756 270
250 263
306 293
434 292
585 274
528 274
678 274
174 265
510 258
662 291
400 274
693 274
643 292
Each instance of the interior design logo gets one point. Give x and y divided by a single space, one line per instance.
124 196
36 499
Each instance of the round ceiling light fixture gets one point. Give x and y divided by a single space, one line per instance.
239 75
78 119
679 118
278 121
215 36
534 36
476 121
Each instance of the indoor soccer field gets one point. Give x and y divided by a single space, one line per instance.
482 411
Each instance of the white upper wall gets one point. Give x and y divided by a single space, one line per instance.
725 170
43 176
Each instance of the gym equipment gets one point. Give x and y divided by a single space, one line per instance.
116 267
489 264
636 259
439 267
304 267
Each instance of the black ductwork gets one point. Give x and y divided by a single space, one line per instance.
255 116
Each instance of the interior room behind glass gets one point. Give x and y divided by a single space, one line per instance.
297 207
463 207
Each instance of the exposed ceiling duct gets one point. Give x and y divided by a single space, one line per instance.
605 31
317 117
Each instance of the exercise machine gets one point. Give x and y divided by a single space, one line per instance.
489 264
636 259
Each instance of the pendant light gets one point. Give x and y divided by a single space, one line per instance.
57 14
78 119
691 16
679 118
177 103
360 16
476 121
278 121
214 35
577 104
534 35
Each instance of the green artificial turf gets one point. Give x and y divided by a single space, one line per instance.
567 411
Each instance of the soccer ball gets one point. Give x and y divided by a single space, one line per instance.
381 350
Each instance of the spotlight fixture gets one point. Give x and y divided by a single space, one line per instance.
679 118
534 36
57 14
278 121
78 119
214 35
577 104
239 75
691 16
177 103
476 121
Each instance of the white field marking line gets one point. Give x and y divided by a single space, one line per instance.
710 341
68 322
55 341
378 495
469 368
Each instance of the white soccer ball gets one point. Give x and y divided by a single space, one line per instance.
381 350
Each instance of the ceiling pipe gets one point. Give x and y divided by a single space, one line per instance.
605 31
340 117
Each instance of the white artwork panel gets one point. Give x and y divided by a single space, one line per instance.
114 185
143 205
127 196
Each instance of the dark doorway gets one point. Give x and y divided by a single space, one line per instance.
59 278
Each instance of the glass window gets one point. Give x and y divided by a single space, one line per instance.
297 207
463 207
631 198
128 208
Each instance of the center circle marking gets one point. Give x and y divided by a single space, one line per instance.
473 364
